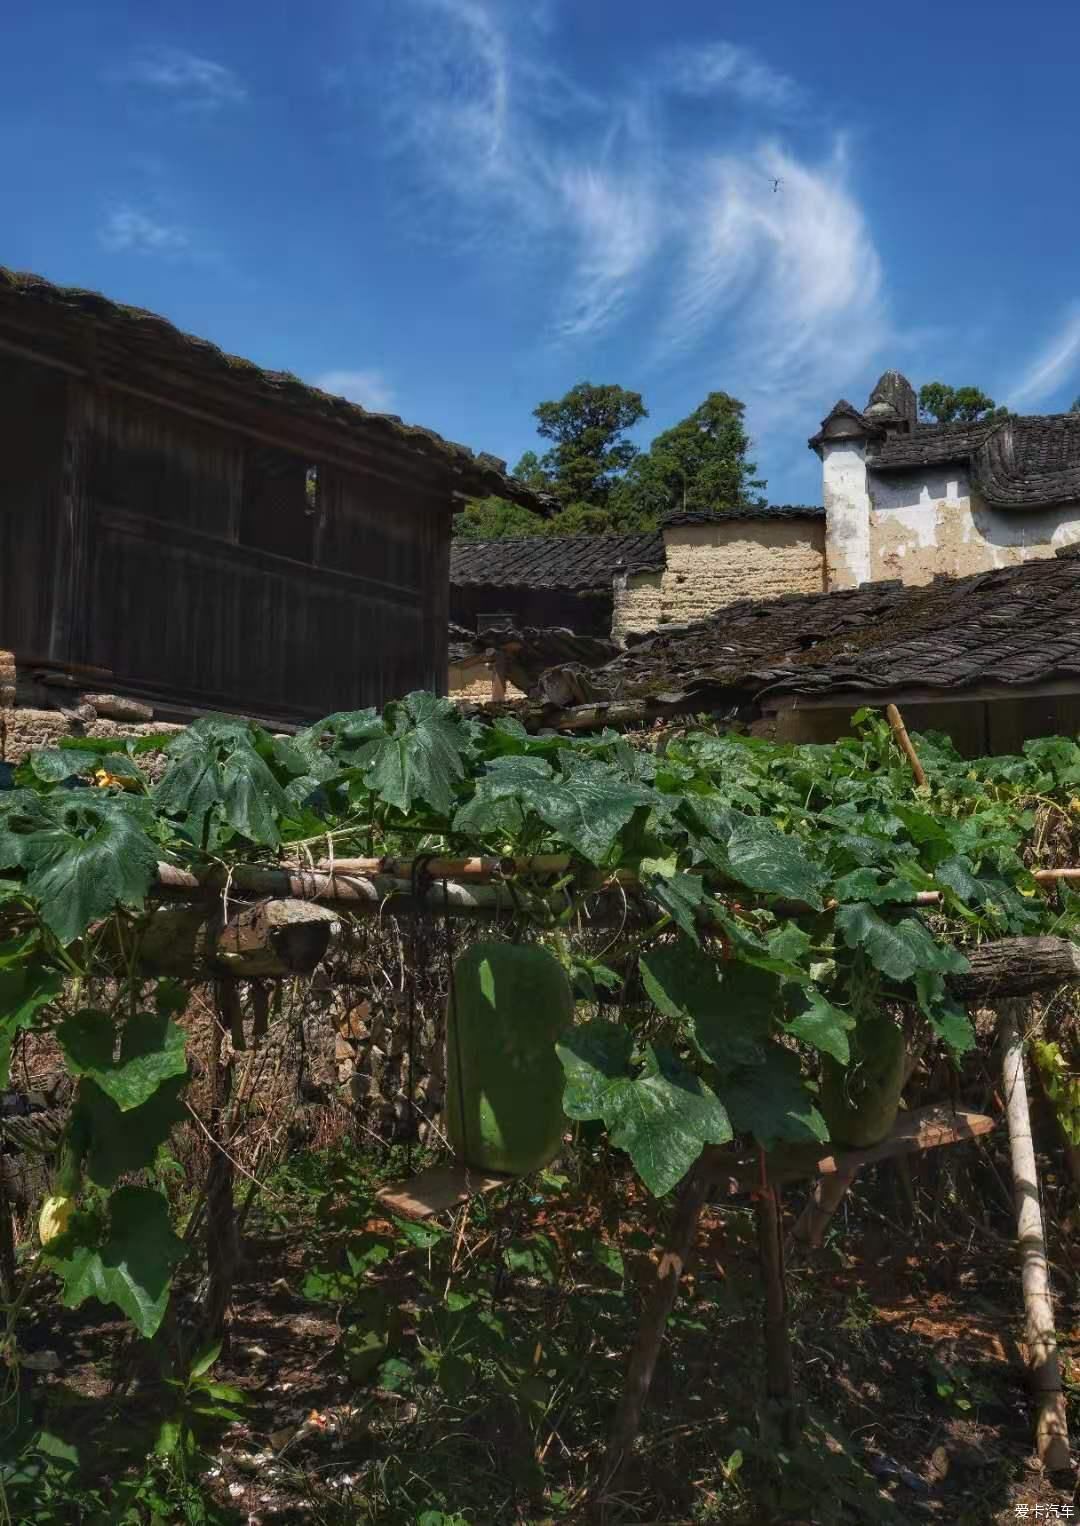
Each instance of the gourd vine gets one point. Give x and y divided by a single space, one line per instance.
762 890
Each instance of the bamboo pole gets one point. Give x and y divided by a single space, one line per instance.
1051 1427
439 867
905 744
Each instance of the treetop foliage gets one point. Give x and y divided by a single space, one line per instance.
603 482
942 404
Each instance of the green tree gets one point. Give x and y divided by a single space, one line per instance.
957 405
530 470
1074 406
589 451
698 464
495 519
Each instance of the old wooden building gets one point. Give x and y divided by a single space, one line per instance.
181 526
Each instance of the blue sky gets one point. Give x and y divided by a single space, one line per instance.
452 209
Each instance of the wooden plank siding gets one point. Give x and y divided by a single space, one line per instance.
33 410
190 561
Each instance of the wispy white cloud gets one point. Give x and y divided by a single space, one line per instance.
724 68
493 130
191 81
783 259
368 388
126 229
1052 367
707 236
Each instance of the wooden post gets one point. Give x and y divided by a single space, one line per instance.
1051 1427
828 1194
498 677
661 1300
222 1243
903 741
779 1371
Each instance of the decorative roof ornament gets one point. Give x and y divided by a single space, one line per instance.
845 422
893 403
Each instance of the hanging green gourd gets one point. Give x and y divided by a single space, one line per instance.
504 1082
860 1101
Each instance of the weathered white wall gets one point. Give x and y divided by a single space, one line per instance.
847 513
930 522
710 565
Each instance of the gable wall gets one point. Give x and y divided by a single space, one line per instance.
931 521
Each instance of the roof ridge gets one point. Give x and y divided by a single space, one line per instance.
483 472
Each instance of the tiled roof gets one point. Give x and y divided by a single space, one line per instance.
764 511
153 338
555 561
842 410
929 445
1026 462
531 650
1014 626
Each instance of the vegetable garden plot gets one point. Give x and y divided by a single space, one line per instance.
735 918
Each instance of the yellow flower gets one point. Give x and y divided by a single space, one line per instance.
104 779
55 1215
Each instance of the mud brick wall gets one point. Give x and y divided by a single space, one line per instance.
710 565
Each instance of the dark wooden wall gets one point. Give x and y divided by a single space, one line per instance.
587 614
33 405
195 564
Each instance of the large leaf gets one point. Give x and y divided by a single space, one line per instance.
131 1266
771 1102
119 1142
497 805
823 1026
867 885
24 991
252 798
83 852
764 859
422 756
586 805
151 1051
593 1055
662 1116
899 949
53 765
216 772
681 896
728 1010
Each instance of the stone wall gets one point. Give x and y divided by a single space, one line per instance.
710 565
23 729
34 714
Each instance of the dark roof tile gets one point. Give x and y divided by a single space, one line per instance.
553 561
1025 462
1015 625
764 511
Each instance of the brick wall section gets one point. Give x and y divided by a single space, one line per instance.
639 603
711 565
